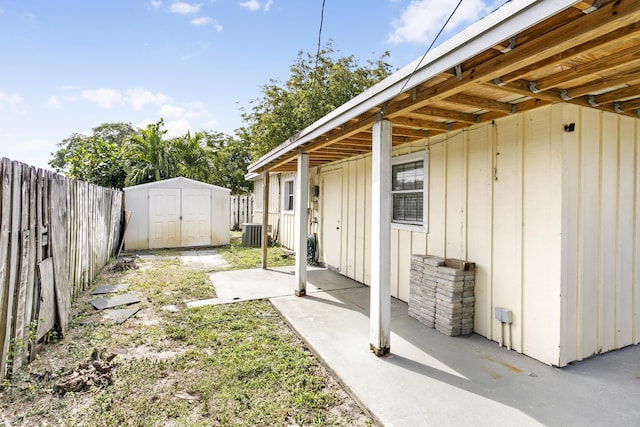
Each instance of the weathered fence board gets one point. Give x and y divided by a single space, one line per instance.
47 317
5 235
59 245
55 236
241 210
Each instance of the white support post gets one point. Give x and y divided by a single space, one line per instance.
302 202
380 300
265 218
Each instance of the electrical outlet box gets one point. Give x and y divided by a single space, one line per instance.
503 315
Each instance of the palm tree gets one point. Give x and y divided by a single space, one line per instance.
194 157
149 156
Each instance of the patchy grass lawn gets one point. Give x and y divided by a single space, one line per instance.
243 257
236 364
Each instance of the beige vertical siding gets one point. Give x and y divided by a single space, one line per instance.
509 226
600 308
275 204
548 216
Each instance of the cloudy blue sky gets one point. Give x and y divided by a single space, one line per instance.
69 65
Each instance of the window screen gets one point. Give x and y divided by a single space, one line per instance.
408 192
288 195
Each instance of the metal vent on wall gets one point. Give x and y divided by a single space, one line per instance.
251 234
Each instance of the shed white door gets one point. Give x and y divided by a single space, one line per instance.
196 217
164 218
331 242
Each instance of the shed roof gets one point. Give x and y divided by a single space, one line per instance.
177 182
526 54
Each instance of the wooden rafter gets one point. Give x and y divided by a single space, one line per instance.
588 59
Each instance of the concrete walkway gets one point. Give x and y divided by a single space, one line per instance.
434 380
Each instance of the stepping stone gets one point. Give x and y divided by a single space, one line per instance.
119 316
107 289
114 301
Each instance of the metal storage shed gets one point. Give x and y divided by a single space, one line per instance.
177 212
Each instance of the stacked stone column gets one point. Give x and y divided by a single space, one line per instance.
441 294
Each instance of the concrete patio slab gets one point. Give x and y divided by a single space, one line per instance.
244 285
432 379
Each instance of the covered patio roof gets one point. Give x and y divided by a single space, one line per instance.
526 54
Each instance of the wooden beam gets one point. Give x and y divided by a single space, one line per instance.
446 114
587 27
564 78
603 84
619 95
572 52
481 103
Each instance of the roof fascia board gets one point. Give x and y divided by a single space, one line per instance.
180 180
503 23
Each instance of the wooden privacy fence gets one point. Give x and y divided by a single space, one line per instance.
56 235
241 210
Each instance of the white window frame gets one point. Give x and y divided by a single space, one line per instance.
287 196
408 158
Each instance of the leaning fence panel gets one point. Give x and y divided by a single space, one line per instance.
55 236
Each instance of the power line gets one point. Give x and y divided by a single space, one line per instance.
315 68
430 46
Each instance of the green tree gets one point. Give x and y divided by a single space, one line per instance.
318 85
194 157
96 158
230 158
149 156
99 162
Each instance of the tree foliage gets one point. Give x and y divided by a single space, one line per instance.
310 93
96 158
149 156
116 155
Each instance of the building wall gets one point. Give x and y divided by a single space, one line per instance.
494 199
137 202
548 216
601 235
281 222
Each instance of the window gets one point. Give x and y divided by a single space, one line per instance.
408 189
288 195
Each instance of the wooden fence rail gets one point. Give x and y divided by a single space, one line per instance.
241 210
56 234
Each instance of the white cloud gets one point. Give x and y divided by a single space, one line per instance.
201 20
422 19
143 124
171 111
252 5
177 127
217 26
156 3
106 98
53 102
138 98
12 102
185 8
190 110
